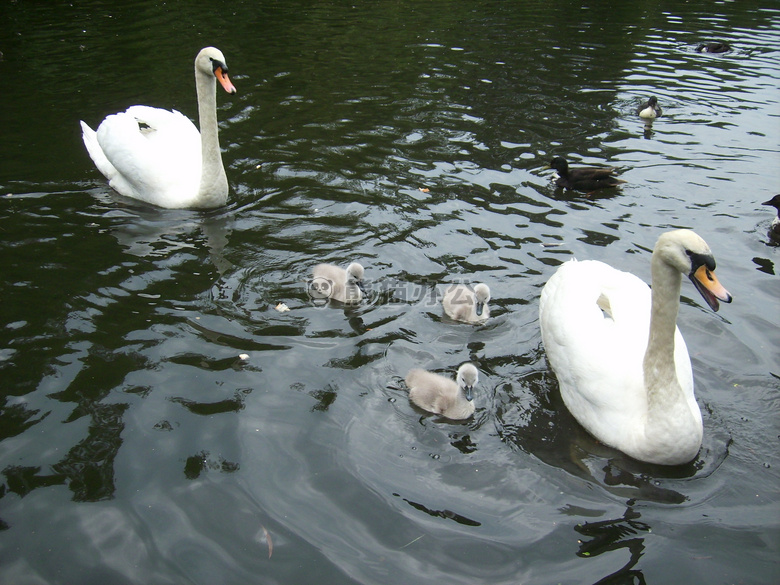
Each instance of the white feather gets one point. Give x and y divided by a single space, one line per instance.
595 323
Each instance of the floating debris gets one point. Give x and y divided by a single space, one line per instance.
282 308
243 356
268 541
412 542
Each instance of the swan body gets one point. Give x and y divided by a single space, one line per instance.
583 178
338 284
621 362
444 396
650 109
158 156
463 304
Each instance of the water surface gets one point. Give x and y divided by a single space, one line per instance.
138 446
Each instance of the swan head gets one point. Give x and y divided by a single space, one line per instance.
686 251
211 61
481 296
467 379
355 273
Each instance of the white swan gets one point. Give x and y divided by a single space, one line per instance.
158 156
441 395
621 362
333 282
463 304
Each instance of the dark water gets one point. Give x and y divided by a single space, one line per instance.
138 447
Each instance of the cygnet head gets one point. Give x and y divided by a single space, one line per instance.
481 296
468 376
355 273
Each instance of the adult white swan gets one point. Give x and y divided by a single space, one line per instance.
621 362
158 156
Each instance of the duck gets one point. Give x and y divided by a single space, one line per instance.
774 229
440 395
584 178
650 109
714 47
462 304
338 284
158 156
621 362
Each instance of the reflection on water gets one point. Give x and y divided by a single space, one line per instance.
170 424
611 535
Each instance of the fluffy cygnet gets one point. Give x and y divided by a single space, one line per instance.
333 282
441 395
463 304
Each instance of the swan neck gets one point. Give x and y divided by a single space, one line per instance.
213 183
659 366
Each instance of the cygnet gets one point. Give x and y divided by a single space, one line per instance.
441 395
463 304
333 282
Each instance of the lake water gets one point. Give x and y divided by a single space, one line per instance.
137 446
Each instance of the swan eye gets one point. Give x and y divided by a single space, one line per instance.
699 260
217 65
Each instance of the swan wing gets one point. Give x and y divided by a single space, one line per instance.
152 154
595 322
89 136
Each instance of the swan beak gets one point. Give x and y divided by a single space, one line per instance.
479 308
708 286
469 395
224 80
359 284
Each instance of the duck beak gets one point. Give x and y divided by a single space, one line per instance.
479 308
708 286
469 394
224 80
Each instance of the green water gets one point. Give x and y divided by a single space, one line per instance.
137 446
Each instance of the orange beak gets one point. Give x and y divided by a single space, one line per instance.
224 80
708 286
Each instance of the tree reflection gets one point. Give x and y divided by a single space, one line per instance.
88 468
